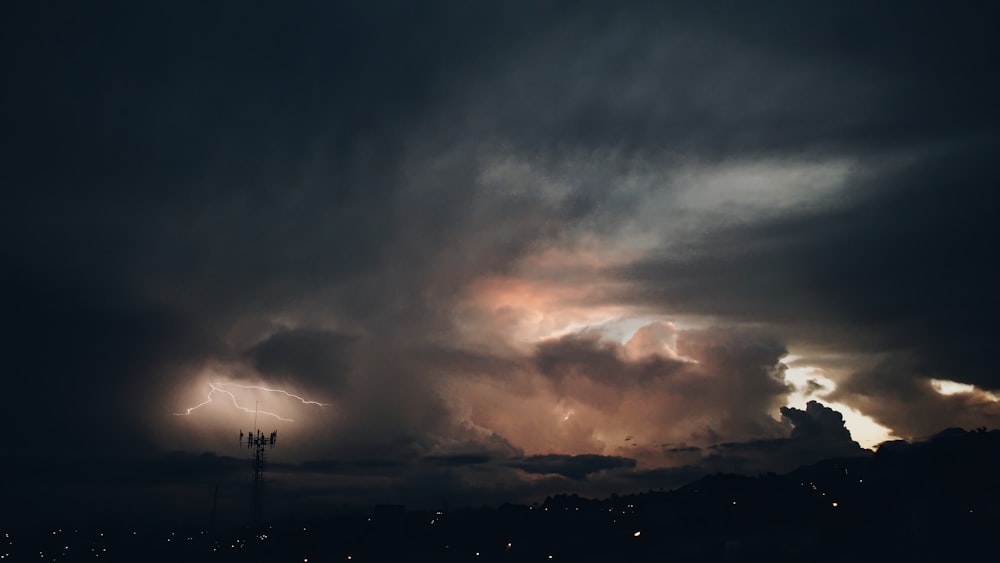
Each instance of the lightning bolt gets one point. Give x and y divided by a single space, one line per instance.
282 391
219 387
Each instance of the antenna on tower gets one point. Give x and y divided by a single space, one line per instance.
259 443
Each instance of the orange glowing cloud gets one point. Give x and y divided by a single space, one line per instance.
552 292
527 310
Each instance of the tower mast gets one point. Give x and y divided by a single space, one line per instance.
259 443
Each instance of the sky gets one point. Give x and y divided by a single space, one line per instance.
477 252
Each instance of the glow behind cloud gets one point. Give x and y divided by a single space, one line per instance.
810 383
221 388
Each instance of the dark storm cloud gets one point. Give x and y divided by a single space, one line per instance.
900 272
247 183
813 387
818 432
220 159
308 355
819 424
458 459
572 466
603 361
352 467
578 394
899 391
898 266
738 79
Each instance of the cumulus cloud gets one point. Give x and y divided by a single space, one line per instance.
818 432
582 393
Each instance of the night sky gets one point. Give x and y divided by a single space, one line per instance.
512 249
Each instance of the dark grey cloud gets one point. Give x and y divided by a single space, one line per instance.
352 467
819 424
458 459
898 390
307 355
309 195
901 272
589 357
818 433
572 466
813 387
739 79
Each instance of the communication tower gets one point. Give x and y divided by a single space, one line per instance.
259 443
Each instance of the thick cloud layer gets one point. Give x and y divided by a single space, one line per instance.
491 251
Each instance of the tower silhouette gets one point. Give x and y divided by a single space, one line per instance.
259 443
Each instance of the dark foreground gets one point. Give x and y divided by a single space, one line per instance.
933 501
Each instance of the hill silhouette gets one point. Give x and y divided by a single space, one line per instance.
927 501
